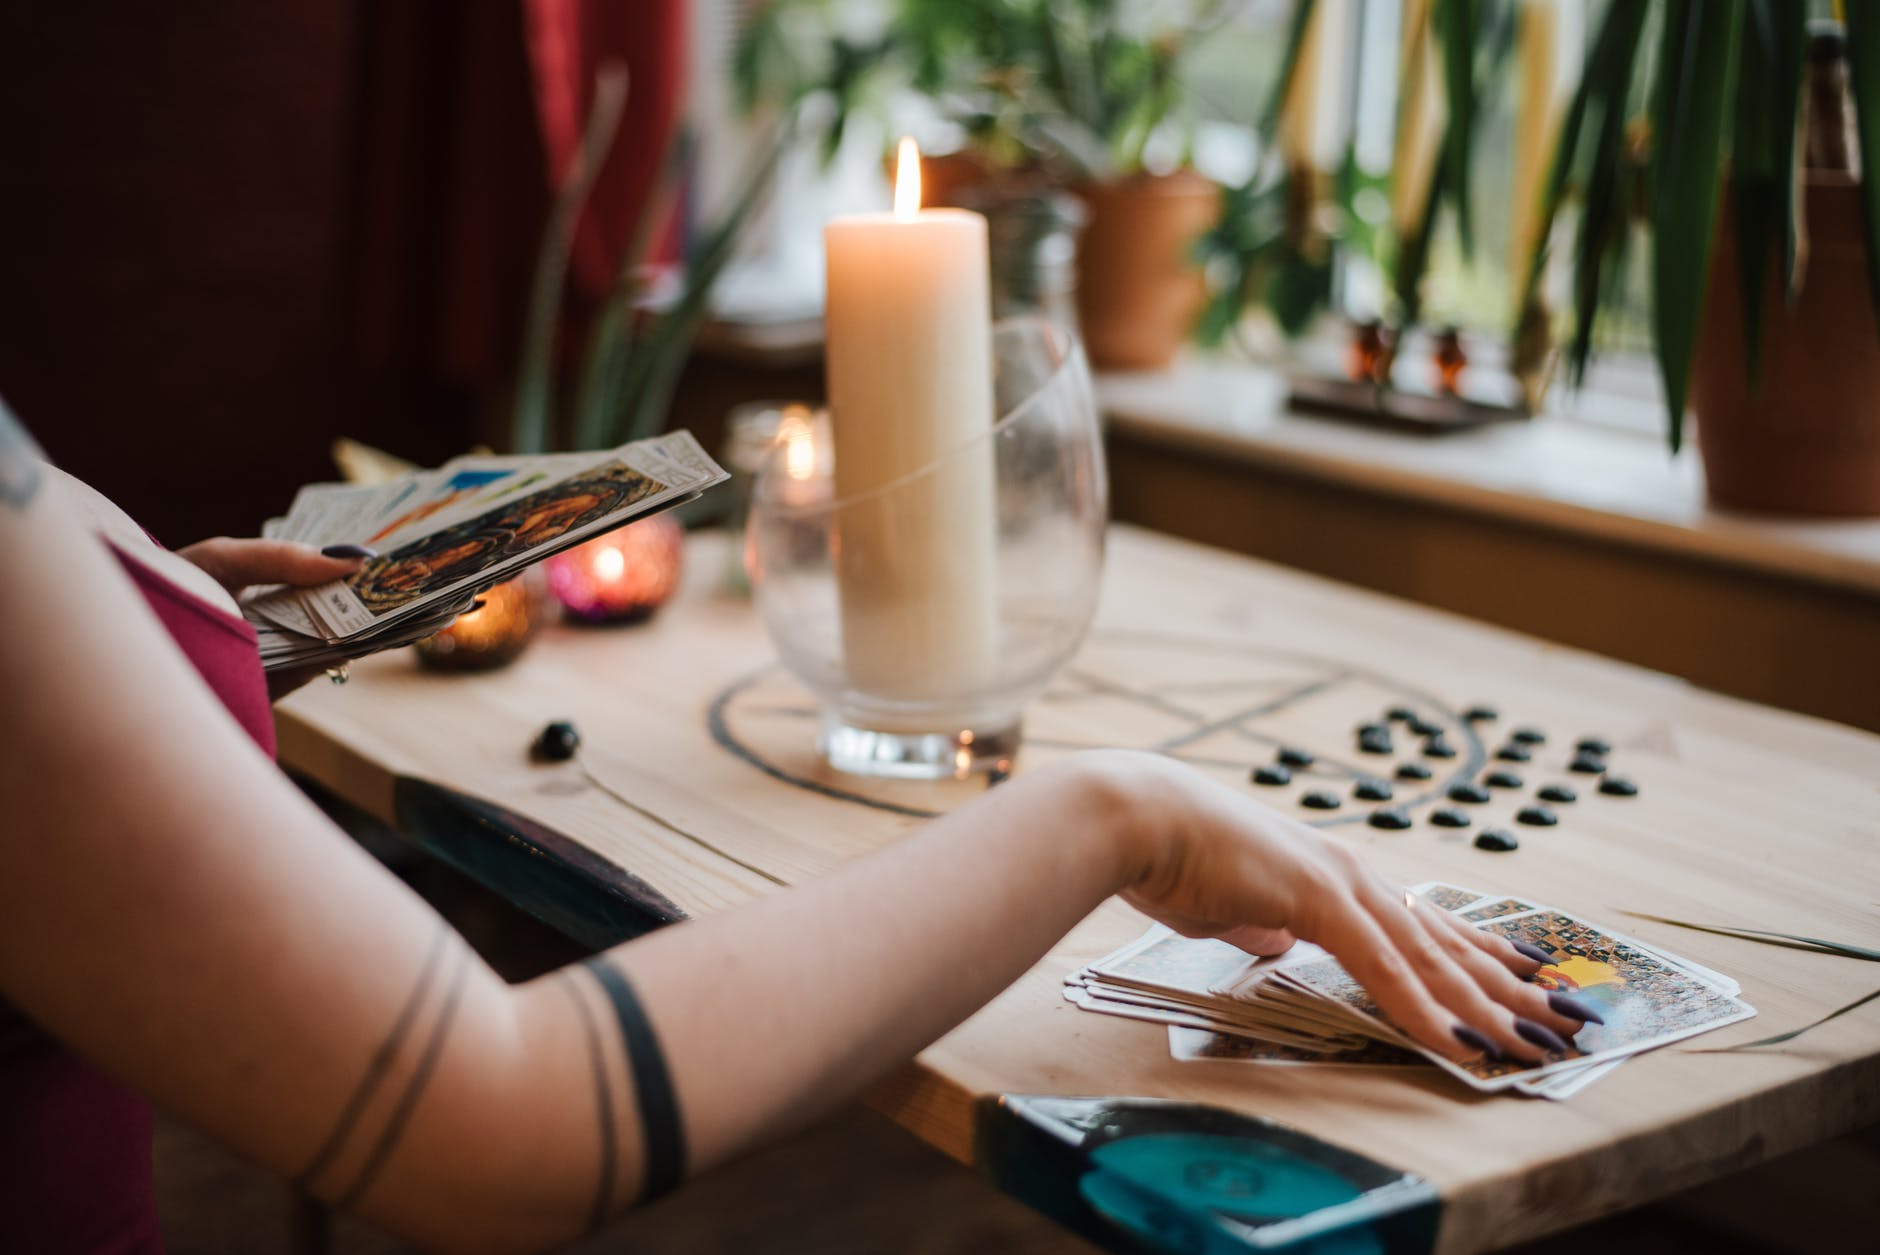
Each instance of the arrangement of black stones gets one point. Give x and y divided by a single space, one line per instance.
1376 737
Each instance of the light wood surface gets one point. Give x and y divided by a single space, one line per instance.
1746 816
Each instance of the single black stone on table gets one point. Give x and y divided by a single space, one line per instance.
1593 745
1319 800
1375 741
1272 773
1481 714
1400 714
1449 817
1513 753
1587 764
1391 818
1618 786
1371 789
556 743
1498 839
1557 793
1373 729
1413 771
1529 736
1293 756
1537 817
1436 747
1463 791
1502 780
1424 727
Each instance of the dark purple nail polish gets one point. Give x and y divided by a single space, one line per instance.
1573 1008
1531 951
1540 1035
1475 1041
348 551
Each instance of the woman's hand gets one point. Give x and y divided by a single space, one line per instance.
239 564
1211 862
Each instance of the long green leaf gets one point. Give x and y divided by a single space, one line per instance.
1455 24
1696 78
1296 28
534 415
1793 1033
1795 941
1762 154
1863 67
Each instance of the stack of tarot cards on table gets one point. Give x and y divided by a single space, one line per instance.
442 536
1301 1007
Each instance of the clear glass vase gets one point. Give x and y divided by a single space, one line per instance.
922 626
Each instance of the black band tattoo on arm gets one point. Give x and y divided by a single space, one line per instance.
604 1110
381 1062
19 463
661 1129
414 1088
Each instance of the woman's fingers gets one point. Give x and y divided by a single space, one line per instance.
237 564
1494 978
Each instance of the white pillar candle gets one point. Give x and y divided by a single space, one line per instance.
909 357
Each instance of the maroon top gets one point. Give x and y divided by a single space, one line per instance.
75 1144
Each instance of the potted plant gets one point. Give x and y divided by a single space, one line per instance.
1764 271
1066 94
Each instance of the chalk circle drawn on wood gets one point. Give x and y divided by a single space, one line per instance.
1223 707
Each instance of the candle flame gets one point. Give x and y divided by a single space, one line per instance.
907 179
799 447
610 564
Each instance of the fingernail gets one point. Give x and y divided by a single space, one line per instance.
1573 1008
1531 951
1540 1035
1475 1041
348 551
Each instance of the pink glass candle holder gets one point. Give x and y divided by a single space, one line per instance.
623 576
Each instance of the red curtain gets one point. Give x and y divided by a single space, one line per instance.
569 42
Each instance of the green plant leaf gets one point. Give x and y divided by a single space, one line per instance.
1793 1033
1762 155
1456 26
1296 27
533 421
1696 78
1796 941
1863 68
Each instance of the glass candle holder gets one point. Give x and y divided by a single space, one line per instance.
622 576
924 653
495 633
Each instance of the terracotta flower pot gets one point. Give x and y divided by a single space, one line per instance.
1807 439
1139 289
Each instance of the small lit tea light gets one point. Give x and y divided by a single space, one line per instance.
492 635
621 577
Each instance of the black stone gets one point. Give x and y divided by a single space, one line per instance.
1587 764
1413 771
1557 793
1593 745
1293 756
1513 753
1537 816
1502 780
1425 727
1529 736
1373 729
1436 747
556 743
1449 817
1272 773
1400 714
1320 800
1377 742
1481 714
1618 786
1463 791
1371 789
1498 839
1392 818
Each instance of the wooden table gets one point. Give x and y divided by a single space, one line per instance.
704 791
